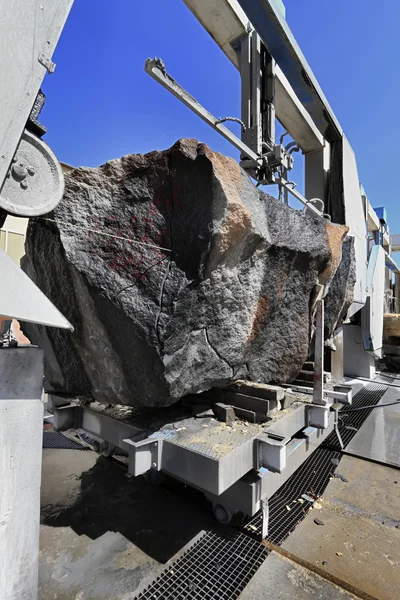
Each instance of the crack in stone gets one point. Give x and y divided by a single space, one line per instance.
216 351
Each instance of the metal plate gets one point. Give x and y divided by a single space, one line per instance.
378 438
35 183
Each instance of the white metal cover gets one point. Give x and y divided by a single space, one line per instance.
21 299
356 220
372 321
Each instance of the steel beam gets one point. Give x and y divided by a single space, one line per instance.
274 31
155 70
226 22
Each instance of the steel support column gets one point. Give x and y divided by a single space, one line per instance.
337 368
318 394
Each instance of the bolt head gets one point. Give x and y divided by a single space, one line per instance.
24 184
154 464
19 171
15 158
31 171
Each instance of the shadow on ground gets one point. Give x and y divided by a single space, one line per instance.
153 518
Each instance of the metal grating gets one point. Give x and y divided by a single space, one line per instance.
285 510
385 379
54 439
216 566
350 422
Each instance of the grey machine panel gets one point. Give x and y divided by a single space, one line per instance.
29 32
355 218
379 437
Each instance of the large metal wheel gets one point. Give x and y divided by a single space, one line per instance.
35 183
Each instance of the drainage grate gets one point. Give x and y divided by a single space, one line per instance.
350 422
54 439
285 510
216 566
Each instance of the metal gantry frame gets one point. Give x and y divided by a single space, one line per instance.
277 83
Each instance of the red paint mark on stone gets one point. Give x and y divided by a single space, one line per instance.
127 258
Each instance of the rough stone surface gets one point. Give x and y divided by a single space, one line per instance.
341 289
178 274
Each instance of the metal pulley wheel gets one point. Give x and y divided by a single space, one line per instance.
35 183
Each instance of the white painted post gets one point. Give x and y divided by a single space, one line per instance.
21 427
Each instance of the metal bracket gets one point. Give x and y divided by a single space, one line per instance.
343 396
47 63
271 452
318 415
67 417
144 454
55 401
341 393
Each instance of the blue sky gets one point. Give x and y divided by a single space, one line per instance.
101 104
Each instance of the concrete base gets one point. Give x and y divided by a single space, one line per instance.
21 425
105 535
357 362
283 579
359 542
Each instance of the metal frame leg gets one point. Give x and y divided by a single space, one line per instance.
265 518
318 394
